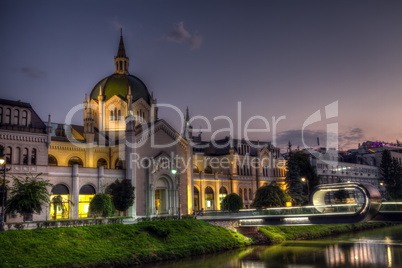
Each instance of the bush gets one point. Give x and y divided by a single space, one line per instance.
100 206
270 196
232 202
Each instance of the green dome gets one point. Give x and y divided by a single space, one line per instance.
118 84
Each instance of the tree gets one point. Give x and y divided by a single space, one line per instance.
306 170
122 193
100 206
27 195
270 196
390 171
293 183
232 202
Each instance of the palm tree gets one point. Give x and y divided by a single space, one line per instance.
27 195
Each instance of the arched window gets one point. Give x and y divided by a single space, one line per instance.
209 198
51 160
245 194
60 202
250 194
16 117
241 193
222 194
196 199
33 157
195 169
8 116
101 162
9 155
24 120
118 114
118 164
25 156
208 170
75 160
1 115
86 194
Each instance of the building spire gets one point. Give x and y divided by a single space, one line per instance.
121 60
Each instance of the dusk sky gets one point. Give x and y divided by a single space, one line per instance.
278 58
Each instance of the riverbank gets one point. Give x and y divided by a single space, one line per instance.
279 234
119 245
115 245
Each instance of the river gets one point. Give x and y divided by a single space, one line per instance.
375 248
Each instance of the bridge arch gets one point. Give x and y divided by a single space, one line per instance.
365 212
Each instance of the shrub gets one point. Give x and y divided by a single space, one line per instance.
232 202
270 196
100 206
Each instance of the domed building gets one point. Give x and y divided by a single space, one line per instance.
123 138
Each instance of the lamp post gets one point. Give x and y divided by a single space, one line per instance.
177 176
3 199
304 180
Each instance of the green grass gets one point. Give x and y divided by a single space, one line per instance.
115 244
279 234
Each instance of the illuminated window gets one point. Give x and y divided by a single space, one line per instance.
60 204
209 198
196 199
52 161
87 192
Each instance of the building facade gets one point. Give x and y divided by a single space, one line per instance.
123 137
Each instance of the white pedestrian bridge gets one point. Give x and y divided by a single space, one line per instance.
366 207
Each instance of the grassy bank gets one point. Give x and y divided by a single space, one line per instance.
278 234
114 245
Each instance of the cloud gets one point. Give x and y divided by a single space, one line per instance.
182 36
350 138
33 72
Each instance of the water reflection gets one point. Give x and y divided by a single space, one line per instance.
378 248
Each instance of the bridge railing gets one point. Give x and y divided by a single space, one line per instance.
289 211
391 207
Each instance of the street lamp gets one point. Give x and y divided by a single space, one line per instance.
175 172
3 199
304 180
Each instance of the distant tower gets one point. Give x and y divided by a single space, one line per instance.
121 60
187 128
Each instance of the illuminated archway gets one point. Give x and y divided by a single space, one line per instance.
87 192
60 202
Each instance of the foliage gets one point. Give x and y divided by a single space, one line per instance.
341 195
27 195
122 193
115 245
294 185
390 170
270 196
306 170
100 206
232 202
